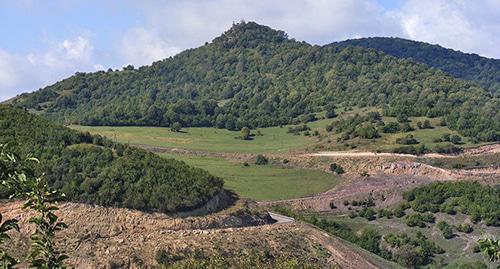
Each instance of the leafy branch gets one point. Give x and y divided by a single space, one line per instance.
17 176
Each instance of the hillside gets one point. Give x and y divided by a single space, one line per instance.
93 169
484 71
255 76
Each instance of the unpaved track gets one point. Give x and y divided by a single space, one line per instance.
487 149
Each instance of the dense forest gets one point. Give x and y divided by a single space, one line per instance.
93 169
484 71
255 76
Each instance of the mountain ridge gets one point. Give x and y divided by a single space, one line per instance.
468 66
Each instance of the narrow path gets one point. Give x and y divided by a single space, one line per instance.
487 149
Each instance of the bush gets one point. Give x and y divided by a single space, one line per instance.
419 220
367 131
407 140
456 139
367 213
261 160
391 127
448 149
464 228
402 118
334 167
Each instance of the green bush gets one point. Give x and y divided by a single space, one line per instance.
261 160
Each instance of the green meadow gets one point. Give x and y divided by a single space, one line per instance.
273 139
263 182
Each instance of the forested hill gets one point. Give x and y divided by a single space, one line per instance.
484 71
92 169
255 76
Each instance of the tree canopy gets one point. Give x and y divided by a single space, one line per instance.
93 169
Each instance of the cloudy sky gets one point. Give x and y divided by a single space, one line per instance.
42 42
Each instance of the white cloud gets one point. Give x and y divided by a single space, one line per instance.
21 73
141 47
470 26
191 23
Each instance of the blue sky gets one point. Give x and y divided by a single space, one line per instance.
45 41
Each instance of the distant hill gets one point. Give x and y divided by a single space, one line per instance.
92 169
484 71
255 76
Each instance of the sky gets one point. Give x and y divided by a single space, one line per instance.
42 42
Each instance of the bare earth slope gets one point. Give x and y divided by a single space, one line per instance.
100 237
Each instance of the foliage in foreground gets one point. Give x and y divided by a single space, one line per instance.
17 176
93 169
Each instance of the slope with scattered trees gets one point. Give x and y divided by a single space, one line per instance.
265 79
484 71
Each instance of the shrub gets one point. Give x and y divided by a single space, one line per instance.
176 127
261 160
419 220
391 127
455 139
407 140
334 167
464 228
402 118
367 213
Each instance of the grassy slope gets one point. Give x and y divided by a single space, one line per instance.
263 182
274 139
211 139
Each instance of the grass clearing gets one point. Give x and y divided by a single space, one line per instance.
273 139
263 182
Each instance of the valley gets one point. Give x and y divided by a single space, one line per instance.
258 151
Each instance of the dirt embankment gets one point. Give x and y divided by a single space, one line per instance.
384 184
100 237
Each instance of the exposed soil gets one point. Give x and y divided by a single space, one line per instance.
100 237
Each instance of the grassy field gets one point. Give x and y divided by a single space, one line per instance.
273 139
458 249
263 182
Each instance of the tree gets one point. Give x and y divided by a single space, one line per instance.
245 133
176 127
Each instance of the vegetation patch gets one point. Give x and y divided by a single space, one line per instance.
93 169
